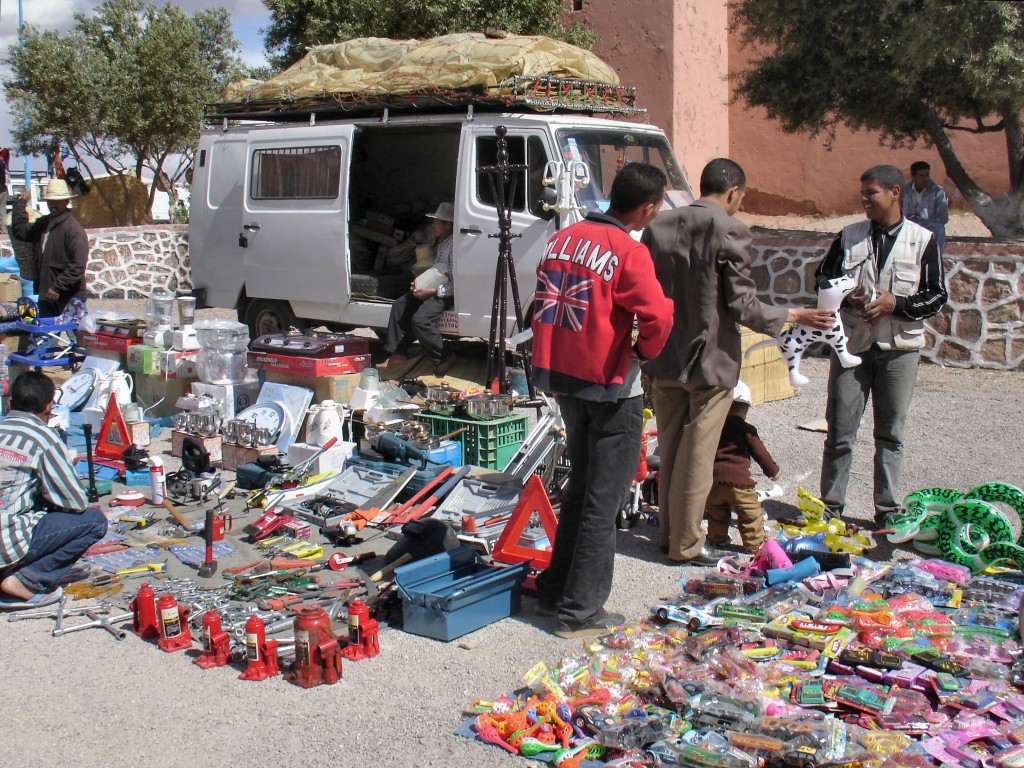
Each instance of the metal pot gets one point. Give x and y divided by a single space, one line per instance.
442 399
487 406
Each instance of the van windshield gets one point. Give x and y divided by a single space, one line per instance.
606 151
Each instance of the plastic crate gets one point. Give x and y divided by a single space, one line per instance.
450 594
488 444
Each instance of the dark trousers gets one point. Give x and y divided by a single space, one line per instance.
603 445
412 318
887 377
58 540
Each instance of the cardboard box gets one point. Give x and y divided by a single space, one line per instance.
10 287
144 359
213 445
138 433
106 342
309 366
175 364
336 388
331 460
234 397
234 456
158 395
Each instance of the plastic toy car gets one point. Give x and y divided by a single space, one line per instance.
755 742
712 588
801 757
689 755
694 618
740 613
811 694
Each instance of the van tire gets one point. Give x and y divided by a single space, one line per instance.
265 317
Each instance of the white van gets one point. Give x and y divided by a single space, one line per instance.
298 224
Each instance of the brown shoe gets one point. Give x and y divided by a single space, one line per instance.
446 362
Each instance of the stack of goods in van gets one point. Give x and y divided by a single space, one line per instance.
917 664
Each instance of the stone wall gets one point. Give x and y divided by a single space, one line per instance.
982 325
128 263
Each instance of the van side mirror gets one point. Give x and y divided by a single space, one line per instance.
546 204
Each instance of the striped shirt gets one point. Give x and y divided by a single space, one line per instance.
443 264
36 475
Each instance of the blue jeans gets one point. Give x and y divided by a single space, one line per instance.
58 540
603 444
888 378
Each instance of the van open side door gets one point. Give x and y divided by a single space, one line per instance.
293 236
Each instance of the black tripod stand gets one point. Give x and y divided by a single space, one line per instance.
504 177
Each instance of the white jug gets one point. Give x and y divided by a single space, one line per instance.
121 386
324 423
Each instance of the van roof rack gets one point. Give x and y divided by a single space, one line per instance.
544 93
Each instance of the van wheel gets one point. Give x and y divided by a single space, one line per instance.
265 317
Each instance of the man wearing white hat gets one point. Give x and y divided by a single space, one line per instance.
414 314
61 248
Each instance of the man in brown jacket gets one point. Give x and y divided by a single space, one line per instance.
61 248
702 259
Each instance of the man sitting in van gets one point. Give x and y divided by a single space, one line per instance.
414 316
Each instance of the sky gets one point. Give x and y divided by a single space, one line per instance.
249 17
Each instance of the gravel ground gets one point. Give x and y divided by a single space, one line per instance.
89 700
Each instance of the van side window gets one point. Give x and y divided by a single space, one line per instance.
521 150
296 173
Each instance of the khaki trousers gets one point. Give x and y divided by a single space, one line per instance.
722 500
690 420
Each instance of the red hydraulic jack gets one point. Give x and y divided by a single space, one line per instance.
260 653
317 651
363 640
216 643
144 623
173 623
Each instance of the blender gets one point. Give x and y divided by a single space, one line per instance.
159 319
185 337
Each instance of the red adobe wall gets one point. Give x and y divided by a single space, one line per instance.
678 54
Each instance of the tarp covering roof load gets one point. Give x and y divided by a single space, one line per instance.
366 68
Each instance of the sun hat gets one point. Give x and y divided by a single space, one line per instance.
444 212
741 394
57 189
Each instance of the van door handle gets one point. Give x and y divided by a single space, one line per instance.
471 230
251 227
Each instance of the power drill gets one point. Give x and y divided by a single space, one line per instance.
394 448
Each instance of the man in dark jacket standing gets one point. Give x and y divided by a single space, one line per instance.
592 281
61 246
702 259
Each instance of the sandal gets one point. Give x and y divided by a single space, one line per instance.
40 600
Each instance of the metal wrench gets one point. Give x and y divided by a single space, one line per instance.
101 617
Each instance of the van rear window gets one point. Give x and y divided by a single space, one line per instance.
296 173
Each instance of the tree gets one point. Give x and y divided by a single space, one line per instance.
911 70
297 25
124 87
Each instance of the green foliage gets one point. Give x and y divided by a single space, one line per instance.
129 80
910 70
296 25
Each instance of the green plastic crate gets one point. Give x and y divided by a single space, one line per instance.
489 444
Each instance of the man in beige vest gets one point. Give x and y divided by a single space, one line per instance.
900 283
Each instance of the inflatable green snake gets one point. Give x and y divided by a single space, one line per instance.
964 528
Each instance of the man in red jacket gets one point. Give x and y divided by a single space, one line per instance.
593 280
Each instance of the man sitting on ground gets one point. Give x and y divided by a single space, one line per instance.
45 525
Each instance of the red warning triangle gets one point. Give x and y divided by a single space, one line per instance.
113 435
534 499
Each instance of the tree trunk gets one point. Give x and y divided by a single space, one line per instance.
1003 217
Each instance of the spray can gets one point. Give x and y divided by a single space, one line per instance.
157 481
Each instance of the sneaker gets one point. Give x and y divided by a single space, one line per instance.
599 625
708 557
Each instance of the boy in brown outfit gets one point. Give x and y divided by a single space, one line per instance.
733 484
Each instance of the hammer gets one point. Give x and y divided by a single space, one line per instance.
209 566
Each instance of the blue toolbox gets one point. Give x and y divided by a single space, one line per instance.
451 594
